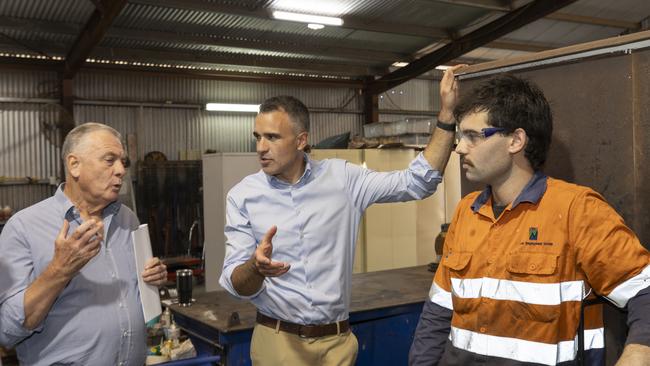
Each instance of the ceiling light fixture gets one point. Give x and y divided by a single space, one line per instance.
315 26
400 64
228 107
442 67
307 18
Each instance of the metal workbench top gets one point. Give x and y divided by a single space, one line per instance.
370 291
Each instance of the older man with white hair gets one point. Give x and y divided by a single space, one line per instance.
69 282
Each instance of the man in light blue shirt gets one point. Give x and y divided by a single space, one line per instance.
291 231
68 286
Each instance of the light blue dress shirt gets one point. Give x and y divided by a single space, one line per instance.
97 319
318 221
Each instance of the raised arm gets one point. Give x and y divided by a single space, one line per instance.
439 147
24 305
71 253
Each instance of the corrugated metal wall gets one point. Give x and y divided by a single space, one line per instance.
172 130
131 87
21 196
177 124
27 84
414 95
26 149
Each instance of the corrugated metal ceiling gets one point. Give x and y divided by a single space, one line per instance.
59 10
243 36
629 10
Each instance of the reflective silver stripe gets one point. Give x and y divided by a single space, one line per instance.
526 292
439 296
628 289
594 338
523 350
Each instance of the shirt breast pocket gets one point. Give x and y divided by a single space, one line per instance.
534 290
457 261
532 264
458 264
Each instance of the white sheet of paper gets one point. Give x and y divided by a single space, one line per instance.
149 294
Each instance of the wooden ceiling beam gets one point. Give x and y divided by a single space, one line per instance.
91 35
507 44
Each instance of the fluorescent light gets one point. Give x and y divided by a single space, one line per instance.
330 8
442 67
227 107
315 26
400 64
307 18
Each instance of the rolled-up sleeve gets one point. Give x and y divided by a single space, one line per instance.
16 267
417 182
240 245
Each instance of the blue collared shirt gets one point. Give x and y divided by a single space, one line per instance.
318 221
97 319
532 193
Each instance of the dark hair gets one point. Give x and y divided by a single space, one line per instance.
511 103
296 110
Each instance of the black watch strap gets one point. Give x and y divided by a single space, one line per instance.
451 127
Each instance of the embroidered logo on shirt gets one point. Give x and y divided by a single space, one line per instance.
532 233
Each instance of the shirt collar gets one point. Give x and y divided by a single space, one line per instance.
275 182
532 192
71 213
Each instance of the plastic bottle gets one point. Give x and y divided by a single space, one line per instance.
166 318
174 334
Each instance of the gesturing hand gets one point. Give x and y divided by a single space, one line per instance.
72 252
262 257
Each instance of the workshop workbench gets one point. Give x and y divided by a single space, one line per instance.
384 312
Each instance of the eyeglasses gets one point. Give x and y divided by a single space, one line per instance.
472 137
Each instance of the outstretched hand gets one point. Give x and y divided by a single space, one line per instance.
262 257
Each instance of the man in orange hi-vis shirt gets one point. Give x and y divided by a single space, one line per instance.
521 255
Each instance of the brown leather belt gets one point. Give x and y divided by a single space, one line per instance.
304 331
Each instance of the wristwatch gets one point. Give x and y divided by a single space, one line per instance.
451 127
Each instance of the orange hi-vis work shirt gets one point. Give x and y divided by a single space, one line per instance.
515 283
